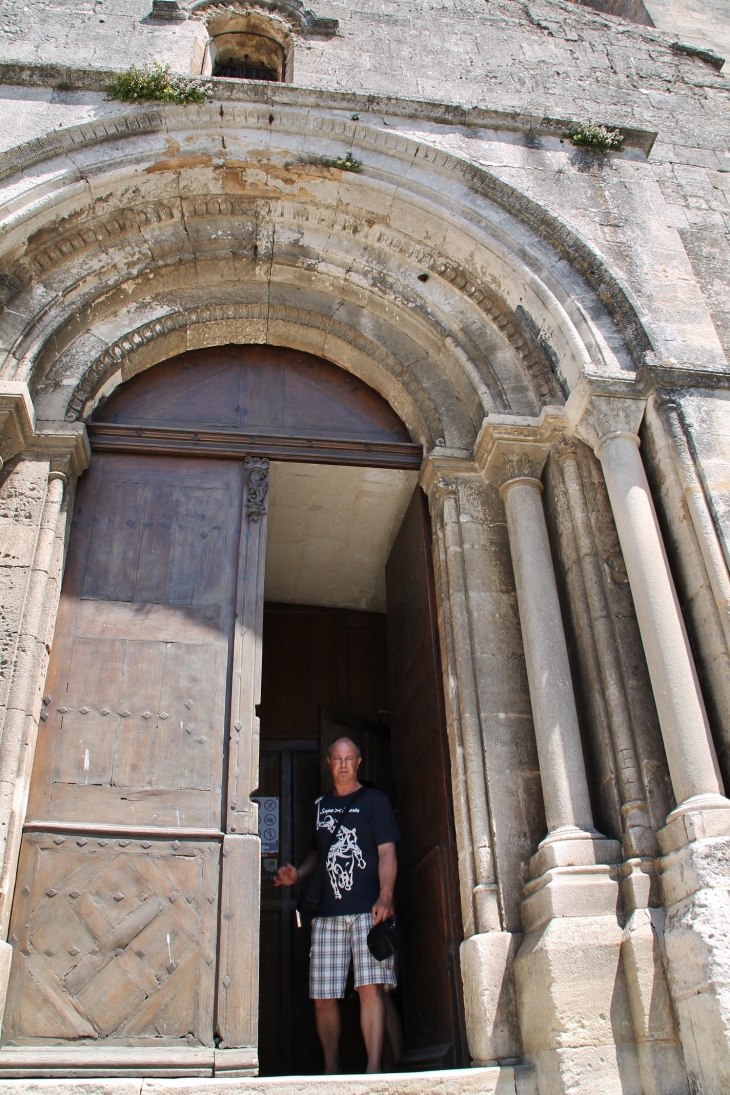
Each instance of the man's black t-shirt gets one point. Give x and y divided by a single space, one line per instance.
350 870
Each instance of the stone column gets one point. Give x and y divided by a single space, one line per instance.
484 895
568 965
638 836
564 784
657 1043
696 839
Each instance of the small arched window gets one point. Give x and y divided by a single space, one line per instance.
249 46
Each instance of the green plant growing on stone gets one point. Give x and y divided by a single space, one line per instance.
596 138
138 85
343 163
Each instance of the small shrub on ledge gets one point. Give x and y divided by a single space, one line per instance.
138 85
343 163
597 138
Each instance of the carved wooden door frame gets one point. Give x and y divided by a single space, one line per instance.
238 969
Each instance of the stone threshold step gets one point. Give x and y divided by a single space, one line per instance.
498 1080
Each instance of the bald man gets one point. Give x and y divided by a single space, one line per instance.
359 877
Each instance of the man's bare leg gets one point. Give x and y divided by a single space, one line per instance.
372 1023
327 1018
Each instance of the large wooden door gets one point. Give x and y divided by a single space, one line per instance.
116 910
427 890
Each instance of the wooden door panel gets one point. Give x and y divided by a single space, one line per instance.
430 1016
116 933
255 389
115 938
157 542
141 715
427 890
113 540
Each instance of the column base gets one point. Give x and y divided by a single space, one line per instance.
695 818
573 847
696 887
490 1006
572 997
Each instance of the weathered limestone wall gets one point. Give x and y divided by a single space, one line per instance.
480 268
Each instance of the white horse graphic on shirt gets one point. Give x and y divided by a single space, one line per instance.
341 860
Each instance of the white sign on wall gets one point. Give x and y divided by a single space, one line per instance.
268 823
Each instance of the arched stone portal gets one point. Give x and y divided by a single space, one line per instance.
510 351
137 912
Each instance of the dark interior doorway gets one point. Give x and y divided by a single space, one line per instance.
316 661
376 677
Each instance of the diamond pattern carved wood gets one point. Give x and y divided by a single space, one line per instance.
103 950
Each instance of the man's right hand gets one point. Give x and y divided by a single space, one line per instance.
286 876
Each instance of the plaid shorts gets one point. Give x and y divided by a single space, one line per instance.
334 939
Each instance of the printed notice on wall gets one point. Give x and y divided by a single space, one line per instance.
268 823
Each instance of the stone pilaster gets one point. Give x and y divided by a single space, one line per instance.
487 952
52 459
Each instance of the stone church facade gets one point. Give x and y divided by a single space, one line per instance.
552 327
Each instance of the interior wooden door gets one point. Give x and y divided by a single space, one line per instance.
115 918
427 889
288 1042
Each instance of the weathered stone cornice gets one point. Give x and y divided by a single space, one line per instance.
443 465
515 446
30 74
609 416
64 443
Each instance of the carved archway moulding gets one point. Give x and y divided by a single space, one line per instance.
614 296
154 342
292 12
50 255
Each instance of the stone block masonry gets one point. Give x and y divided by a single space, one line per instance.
553 327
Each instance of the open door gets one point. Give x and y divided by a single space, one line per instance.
427 889
119 960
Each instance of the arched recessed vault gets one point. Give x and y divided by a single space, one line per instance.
221 225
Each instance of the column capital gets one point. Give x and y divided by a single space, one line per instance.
607 416
65 444
444 465
17 418
514 448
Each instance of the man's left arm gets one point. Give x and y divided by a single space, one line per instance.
387 871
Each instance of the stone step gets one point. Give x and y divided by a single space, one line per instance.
499 1080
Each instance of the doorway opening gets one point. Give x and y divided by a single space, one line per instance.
135 918
350 648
